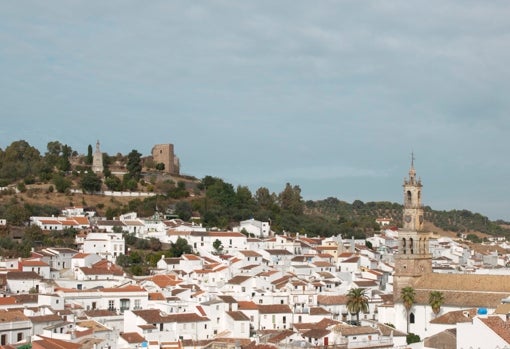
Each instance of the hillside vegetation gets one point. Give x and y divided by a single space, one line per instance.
44 183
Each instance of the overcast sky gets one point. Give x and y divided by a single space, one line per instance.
332 96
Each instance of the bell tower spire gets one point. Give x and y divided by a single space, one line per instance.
413 208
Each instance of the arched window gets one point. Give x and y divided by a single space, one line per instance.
404 247
411 318
409 197
411 245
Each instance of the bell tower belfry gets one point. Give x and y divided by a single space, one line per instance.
413 208
413 259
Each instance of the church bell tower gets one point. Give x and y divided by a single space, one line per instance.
413 259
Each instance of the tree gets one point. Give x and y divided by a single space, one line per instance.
436 299
113 183
408 295
89 158
19 160
134 164
264 198
90 182
160 166
180 247
17 214
357 301
290 199
412 338
184 210
218 246
57 155
61 183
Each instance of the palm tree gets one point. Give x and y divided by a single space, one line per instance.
357 301
408 298
436 300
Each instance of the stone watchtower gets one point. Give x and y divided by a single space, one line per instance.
97 160
413 259
164 153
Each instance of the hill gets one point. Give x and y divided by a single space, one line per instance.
47 183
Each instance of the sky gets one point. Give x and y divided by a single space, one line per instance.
333 96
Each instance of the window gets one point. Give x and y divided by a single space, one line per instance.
124 305
411 318
111 305
137 304
20 336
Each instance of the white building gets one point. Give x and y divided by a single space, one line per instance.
254 228
106 245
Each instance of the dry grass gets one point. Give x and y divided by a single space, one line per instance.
40 195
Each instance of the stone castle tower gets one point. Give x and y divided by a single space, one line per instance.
164 153
97 160
413 259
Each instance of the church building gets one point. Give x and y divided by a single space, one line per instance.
413 268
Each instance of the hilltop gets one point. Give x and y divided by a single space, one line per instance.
62 178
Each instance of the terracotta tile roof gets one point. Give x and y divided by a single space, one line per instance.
22 275
110 223
81 255
45 318
246 305
365 283
319 311
503 309
238 316
316 333
351 260
324 323
250 253
348 330
225 234
331 300
227 299
165 280
100 313
464 282
464 290
12 315
274 308
322 264
279 252
26 298
454 317
152 316
7 300
500 327
277 337
128 288
132 337
34 263
388 331
239 279
326 248
156 296
191 257
52 343
172 260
